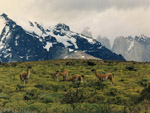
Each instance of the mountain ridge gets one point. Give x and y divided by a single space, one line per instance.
35 42
133 48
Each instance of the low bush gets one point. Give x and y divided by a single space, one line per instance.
131 68
143 82
78 95
47 99
31 94
145 94
119 100
3 96
60 108
91 108
39 107
16 105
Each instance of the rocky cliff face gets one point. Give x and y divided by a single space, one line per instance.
133 48
104 41
34 42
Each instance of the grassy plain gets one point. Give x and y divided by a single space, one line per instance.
130 92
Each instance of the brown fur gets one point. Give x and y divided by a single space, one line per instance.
25 76
103 77
64 74
75 78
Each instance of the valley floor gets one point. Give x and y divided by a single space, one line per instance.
130 92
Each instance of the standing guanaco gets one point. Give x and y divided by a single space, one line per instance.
103 77
64 74
75 78
25 75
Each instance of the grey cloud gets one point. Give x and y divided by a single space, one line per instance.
98 5
100 15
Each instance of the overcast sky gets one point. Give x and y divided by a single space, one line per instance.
111 18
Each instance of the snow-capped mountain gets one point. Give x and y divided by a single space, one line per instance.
31 41
133 48
104 41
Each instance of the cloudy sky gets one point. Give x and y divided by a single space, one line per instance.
111 18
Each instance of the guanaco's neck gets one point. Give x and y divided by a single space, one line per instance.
96 73
28 73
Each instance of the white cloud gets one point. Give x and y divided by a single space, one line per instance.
109 18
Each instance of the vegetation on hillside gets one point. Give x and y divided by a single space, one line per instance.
130 92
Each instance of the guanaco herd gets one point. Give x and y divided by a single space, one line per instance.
75 78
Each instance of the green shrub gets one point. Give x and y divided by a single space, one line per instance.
119 100
131 68
113 92
143 82
91 108
60 108
16 105
8 111
55 86
98 99
134 97
40 107
47 99
31 94
78 95
98 85
3 96
145 94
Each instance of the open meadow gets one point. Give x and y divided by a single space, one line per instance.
129 93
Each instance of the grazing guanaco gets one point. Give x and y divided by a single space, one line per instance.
75 78
103 77
64 74
56 75
25 75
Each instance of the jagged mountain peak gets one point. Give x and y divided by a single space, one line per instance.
31 24
130 38
33 28
5 23
6 18
133 48
104 41
62 26
4 15
141 37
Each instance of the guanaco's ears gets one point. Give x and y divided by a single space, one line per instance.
30 66
82 76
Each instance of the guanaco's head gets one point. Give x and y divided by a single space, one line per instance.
82 76
93 70
29 67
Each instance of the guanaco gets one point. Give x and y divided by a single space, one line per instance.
103 77
56 75
64 74
25 75
75 78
